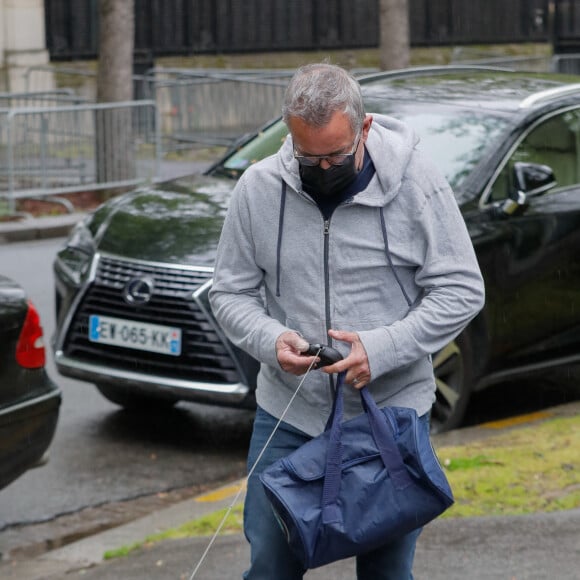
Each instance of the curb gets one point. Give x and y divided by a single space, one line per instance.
483 431
89 551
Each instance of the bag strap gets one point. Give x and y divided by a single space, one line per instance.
383 436
333 472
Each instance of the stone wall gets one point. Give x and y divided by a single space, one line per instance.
22 42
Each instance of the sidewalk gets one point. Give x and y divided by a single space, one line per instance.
533 547
38 228
523 548
60 225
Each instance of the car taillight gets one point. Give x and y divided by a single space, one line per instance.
30 347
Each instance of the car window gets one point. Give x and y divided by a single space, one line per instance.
266 143
454 137
554 142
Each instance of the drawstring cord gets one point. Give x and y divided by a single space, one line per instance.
390 259
280 231
237 496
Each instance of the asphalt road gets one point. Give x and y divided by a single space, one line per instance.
101 453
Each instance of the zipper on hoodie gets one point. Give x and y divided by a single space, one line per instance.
326 233
326 238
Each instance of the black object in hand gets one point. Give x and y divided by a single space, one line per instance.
327 354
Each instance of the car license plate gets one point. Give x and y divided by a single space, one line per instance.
133 334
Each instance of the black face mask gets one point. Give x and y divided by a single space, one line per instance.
331 181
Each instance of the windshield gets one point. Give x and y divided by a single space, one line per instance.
265 143
453 137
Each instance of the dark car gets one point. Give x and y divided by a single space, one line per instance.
29 401
133 279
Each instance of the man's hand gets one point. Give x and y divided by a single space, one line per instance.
289 347
356 363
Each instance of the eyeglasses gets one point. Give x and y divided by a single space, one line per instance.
332 159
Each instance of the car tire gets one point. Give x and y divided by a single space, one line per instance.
453 376
135 401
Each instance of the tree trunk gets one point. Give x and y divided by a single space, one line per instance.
395 42
115 155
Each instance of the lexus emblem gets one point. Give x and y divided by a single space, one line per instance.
138 291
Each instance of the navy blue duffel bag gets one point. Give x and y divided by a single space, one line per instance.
358 485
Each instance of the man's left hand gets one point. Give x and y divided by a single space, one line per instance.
356 363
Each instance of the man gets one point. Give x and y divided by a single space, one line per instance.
348 235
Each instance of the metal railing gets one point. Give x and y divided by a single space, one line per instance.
40 76
566 63
558 63
196 106
46 151
532 63
52 98
214 107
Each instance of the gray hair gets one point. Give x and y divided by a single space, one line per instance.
317 91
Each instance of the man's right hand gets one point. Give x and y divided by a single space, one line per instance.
289 349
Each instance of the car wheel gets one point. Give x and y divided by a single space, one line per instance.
135 401
453 377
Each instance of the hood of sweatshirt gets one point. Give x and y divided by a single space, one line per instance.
387 139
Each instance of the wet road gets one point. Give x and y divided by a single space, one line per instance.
101 453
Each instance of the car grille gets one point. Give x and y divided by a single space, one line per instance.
204 356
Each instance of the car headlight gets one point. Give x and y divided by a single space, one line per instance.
74 260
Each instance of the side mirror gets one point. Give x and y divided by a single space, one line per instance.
533 178
530 179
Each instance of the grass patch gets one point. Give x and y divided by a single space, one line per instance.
521 471
204 526
524 471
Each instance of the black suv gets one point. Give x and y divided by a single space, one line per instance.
132 281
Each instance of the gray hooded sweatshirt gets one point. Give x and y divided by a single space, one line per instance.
394 264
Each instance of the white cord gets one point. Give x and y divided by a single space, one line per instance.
235 500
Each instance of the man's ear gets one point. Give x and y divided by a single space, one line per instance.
367 126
